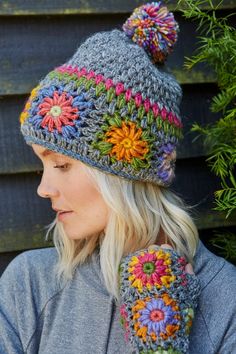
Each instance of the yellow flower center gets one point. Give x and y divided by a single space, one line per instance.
55 111
127 143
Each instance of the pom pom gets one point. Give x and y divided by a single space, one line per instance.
154 28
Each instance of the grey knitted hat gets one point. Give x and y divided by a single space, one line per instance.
111 105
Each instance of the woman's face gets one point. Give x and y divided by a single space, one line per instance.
70 189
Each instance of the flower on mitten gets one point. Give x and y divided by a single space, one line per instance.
158 298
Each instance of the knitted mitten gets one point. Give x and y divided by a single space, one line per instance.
157 300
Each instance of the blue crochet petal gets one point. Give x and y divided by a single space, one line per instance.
145 312
37 124
48 91
60 89
35 119
78 122
84 114
82 105
144 321
78 99
150 306
163 175
90 104
68 131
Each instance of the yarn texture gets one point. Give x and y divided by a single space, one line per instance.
110 107
158 299
154 28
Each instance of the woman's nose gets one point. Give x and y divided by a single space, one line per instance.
46 189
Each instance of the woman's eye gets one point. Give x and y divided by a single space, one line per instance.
62 166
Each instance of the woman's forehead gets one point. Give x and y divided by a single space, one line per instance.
42 151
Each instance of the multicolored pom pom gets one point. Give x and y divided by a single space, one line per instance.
154 28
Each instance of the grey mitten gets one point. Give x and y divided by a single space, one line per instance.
158 299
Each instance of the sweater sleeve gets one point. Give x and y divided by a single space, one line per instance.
25 287
157 301
219 311
9 295
229 341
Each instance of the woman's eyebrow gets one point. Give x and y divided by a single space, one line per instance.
46 152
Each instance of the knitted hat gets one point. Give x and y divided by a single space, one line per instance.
110 105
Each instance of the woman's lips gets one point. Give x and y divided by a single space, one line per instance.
62 215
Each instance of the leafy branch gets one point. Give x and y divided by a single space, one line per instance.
217 49
223 242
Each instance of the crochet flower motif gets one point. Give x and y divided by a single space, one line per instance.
156 317
127 142
167 163
57 111
150 269
25 114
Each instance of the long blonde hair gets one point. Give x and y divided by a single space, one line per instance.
138 213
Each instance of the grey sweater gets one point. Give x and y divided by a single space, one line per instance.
38 315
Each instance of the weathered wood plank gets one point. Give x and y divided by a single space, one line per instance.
205 235
15 240
17 157
23 215
22 240
71 7
31 47
195 108
6 258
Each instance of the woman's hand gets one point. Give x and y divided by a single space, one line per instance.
159 293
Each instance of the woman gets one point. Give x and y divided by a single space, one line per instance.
105 126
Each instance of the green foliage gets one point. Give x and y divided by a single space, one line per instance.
226 245
217 49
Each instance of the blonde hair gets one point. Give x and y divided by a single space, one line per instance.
138 213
